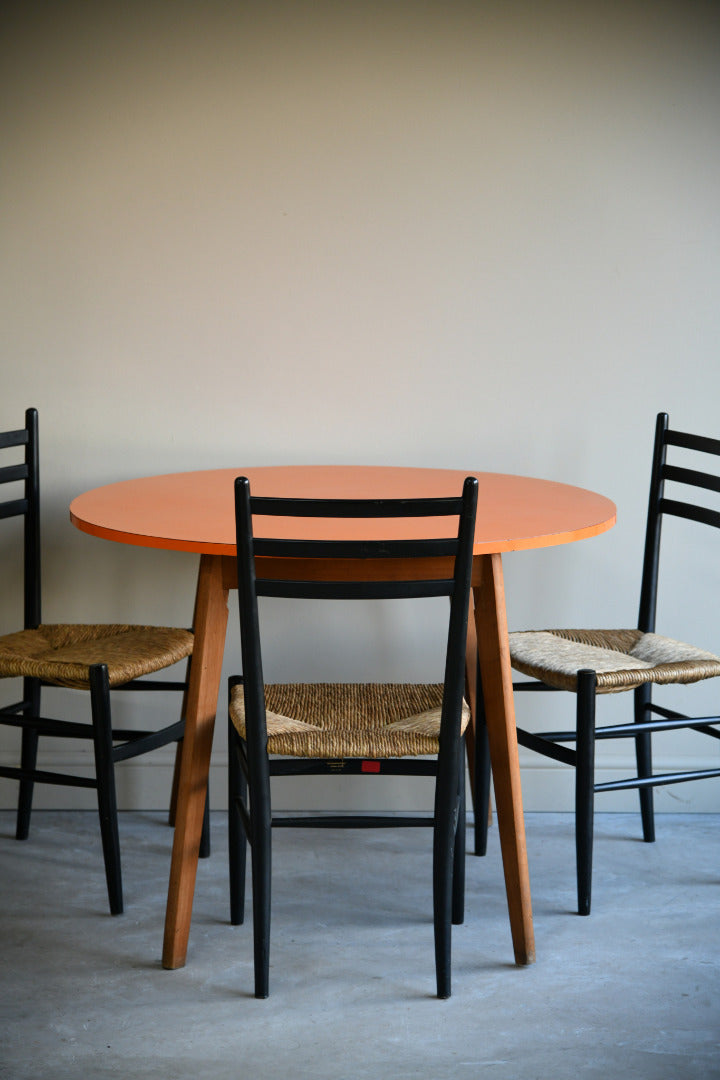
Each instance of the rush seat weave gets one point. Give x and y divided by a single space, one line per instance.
62 653
365 720
622 659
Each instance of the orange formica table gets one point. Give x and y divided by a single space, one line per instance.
195 512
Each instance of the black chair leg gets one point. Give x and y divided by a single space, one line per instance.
444 835
442 904
261 882
104 767
458 880
643 753
28 759
237 840
585 787
482 773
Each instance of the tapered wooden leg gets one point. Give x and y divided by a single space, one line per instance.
205 673
495 670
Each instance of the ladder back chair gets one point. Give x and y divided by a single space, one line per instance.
97 658
392 729
593 662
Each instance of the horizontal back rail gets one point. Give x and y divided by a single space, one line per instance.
355 549
691 477
14 508
690 512
692 442
9 474
263 505
13 438
354 590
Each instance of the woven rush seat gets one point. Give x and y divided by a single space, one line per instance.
333 720
623 659
62 653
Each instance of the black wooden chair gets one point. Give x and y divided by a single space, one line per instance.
592 662
372 728
97 658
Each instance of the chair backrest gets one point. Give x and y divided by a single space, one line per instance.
701 477
28 507
412 579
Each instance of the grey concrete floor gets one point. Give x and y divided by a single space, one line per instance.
633 991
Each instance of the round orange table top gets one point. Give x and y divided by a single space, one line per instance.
194 511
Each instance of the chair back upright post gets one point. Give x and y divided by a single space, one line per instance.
253 681
651 557
457 633
33 593
28 508
660 506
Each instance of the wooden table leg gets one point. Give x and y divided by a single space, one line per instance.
205 674
495 671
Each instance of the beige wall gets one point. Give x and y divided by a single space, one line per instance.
454 234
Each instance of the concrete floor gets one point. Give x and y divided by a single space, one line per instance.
633 991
